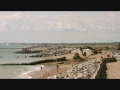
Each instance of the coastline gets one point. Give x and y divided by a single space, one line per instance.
52 69
67 65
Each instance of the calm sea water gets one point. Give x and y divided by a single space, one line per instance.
7 51
7 55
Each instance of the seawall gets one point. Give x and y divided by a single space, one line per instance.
102 67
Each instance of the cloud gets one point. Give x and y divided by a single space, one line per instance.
70 21
14 22
60 26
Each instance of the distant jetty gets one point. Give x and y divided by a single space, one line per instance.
25 50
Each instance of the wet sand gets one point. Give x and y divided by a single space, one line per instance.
44 73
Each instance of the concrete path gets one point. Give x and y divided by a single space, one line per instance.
111 70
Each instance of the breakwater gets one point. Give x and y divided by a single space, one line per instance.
38 62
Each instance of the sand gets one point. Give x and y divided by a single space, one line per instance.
67 65
53 71
113 70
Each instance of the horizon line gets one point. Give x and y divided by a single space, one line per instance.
52 42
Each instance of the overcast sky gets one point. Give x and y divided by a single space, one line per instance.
59 26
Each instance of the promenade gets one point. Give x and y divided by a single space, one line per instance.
111 71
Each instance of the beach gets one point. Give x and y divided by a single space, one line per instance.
59 45
67 65
53 70
50 68
63 66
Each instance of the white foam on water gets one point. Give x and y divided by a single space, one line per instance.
25 75
28 70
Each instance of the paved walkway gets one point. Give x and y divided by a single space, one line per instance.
111 70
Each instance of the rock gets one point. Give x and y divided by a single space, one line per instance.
80 75
82 71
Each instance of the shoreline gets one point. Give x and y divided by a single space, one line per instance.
63 67
53 70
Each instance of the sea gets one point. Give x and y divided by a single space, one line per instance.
8 55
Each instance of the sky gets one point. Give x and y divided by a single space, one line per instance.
59 26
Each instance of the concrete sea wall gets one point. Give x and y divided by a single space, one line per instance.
102 65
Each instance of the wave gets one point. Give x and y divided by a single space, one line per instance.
28 70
